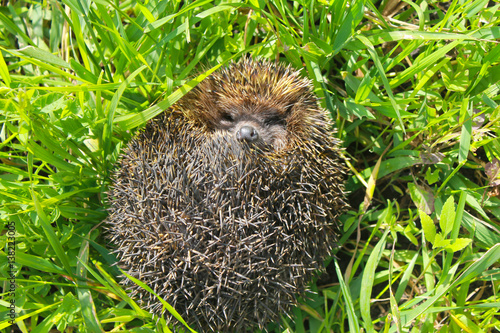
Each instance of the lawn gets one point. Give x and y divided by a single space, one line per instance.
412 88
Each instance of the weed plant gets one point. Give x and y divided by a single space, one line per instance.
411 86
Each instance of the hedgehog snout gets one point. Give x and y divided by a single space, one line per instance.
247 133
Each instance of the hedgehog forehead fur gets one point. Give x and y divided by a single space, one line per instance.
227 232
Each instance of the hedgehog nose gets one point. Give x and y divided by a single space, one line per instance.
247 133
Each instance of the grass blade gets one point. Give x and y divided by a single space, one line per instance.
367 282
351 315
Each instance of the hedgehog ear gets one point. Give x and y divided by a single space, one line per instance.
198 103
206 92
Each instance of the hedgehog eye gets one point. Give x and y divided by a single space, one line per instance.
227 117
275 120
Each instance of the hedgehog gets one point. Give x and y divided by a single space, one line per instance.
227 204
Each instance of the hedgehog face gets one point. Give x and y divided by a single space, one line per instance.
253 126
256 102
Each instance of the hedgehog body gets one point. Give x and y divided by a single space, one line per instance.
225 205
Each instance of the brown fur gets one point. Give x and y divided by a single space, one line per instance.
273 98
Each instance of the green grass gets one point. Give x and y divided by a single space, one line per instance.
413 90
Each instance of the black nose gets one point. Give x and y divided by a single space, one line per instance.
247 133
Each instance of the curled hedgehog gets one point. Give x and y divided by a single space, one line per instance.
226 204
